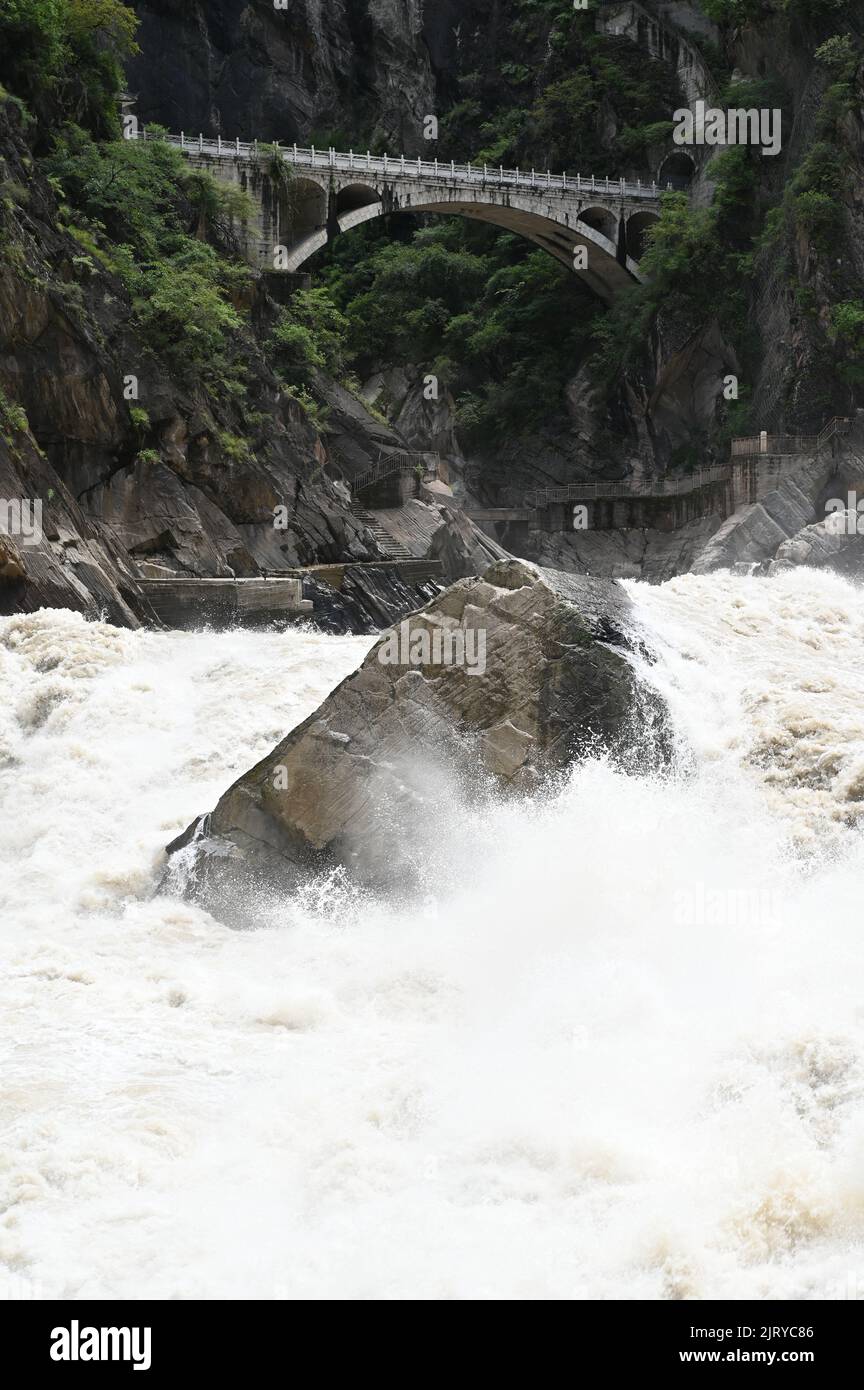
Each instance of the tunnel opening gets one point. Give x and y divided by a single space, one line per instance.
677 171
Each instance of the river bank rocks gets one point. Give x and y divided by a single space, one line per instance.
497 685
368 598
803 520
833 544
57 556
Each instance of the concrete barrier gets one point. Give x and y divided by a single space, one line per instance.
188 603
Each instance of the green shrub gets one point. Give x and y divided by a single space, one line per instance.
839 55
13 417
847 331
234 446
182 309
316 413
309 335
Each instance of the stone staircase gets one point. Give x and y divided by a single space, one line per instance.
389 546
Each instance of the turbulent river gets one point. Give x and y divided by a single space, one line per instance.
617 1051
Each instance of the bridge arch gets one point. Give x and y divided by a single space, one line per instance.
356 203
597 226
603 220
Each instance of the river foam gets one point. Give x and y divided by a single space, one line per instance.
617 1052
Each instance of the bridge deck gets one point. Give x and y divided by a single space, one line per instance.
425 170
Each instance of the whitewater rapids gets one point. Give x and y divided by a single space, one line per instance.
617 1053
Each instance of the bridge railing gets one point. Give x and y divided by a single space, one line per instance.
401 166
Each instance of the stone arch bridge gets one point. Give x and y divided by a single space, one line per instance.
327 192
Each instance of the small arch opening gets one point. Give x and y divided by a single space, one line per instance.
638 224
601 220
355 196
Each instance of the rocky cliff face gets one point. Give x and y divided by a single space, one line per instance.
801 378
315 68
61 557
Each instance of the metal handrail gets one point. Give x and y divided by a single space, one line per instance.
403 166
789 444
628 487
838 424
389 464
774 444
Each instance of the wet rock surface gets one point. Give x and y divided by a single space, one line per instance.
541 675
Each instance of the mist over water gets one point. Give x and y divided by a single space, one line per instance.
616 1052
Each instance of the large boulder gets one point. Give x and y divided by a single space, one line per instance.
517 674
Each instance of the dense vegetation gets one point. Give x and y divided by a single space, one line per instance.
139 211
65 57
499 324
561 96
